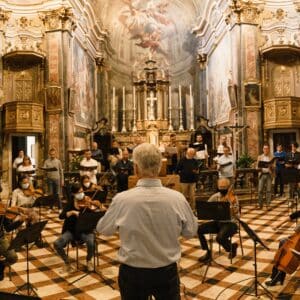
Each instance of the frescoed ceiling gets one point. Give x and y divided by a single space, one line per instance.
158 28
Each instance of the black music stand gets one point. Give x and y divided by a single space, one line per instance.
255 238
213 211
87 222
44 201
292 176
25 237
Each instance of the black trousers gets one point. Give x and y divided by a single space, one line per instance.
278 181
224 231
140 283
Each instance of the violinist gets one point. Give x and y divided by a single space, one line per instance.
278 271
7 225
23 195
70 214
224 229
92 190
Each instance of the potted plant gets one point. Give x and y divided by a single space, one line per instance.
244 161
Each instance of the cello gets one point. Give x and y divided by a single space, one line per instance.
285 260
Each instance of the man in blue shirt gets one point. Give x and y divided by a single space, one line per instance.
281 155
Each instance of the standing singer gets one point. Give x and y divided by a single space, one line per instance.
224 229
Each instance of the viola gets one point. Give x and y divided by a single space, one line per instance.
284 258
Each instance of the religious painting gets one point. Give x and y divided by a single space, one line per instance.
53 98
218 69
252 94
83 105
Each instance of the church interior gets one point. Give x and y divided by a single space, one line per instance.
113 74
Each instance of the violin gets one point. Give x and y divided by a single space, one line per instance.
88 204
31 191
10 212
231 198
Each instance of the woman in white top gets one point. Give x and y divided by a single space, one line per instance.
22 196
26 168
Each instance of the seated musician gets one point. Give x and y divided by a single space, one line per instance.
89 166
26 168
23 196
93 190
278 273
225 165
10 256
70 214
224 229
264 163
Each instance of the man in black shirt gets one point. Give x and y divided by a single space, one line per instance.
10 256
188 169
123 168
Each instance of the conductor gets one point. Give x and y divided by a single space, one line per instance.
149 218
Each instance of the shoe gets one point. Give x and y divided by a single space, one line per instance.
90 265
278 278
49 211
232 254
68 268
206 257
2 267
277 195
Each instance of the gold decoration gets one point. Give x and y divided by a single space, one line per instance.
59 19
243 12
202 60
4 17
280 14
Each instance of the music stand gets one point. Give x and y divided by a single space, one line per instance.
25 237
87 222
213 210
43 201
255 238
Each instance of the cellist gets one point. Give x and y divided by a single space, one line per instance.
278 273
224 229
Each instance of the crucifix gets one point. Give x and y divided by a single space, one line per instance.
151 107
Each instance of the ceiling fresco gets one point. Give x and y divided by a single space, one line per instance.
157 28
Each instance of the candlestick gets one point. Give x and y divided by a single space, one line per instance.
192 109
134 129
113 129
170 109
124 113
180 110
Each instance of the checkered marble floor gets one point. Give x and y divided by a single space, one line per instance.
227 282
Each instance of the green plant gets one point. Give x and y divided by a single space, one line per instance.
75 162
244 161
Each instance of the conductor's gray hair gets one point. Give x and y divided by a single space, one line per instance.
147 157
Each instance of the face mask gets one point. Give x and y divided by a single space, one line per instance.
87 184
25 186
223 192
79 196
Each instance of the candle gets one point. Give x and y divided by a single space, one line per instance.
180 100
170 98
114 99
134 100
123 97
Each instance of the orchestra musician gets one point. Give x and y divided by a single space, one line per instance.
89 166
77 204
224 229
265 165
24 197
8 224
285 253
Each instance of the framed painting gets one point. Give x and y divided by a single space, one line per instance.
252 94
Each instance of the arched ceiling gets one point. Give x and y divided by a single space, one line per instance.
161 28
